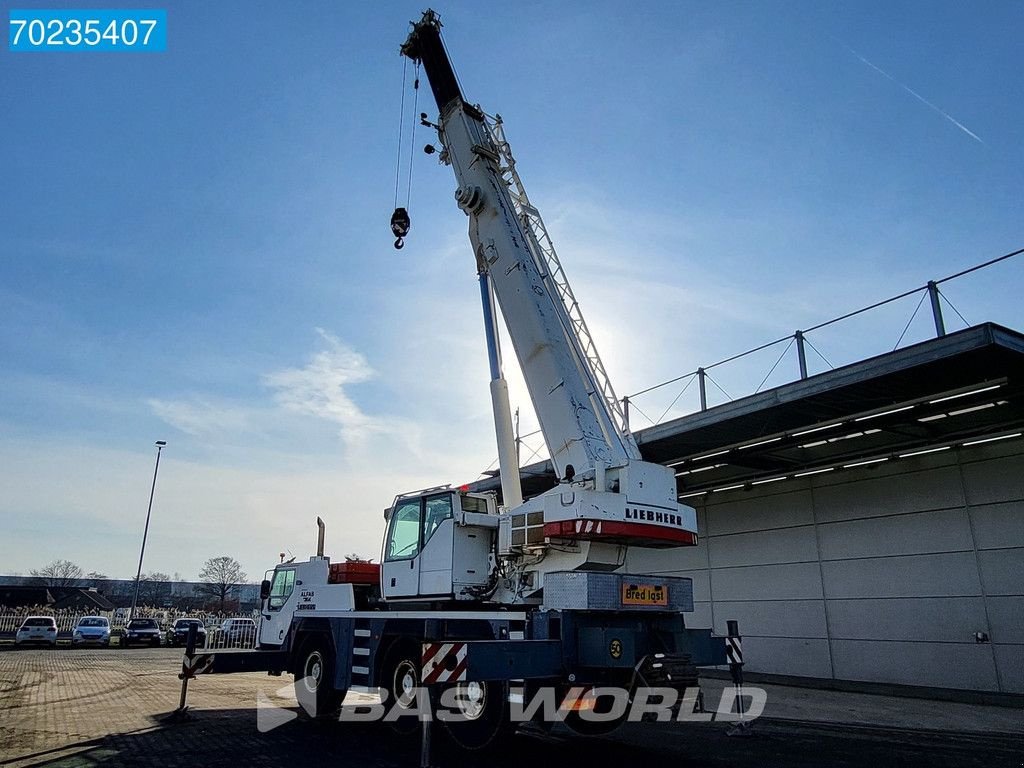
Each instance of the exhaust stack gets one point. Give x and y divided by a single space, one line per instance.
320 537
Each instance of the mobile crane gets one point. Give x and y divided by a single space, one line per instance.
495 599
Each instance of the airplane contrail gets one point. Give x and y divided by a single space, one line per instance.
915 94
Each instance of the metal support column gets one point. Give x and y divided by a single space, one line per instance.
801 353
933 294
702 384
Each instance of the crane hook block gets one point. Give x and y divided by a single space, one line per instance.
400 226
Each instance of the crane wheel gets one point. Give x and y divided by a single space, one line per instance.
585 726
401 677
314 679
575 723
480 716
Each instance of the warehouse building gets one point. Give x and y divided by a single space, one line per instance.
865 525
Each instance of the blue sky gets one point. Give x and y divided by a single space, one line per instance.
195 244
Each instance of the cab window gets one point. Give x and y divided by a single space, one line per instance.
473 504
439 509
404 531
281 589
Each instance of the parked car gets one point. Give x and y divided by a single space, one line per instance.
141 632
91 629
37 629
238 633
178 634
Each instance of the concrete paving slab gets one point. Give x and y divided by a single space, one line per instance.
75 708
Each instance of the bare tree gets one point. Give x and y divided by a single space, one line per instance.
221 576
59 573
154 588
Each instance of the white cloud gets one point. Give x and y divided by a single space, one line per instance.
201 417
319 388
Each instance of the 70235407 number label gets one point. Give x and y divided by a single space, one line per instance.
77 29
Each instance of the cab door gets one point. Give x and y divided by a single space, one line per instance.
400 570
276 616
437 546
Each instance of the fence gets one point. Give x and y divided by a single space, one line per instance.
9 623
221 632
235 632
799 339
530 446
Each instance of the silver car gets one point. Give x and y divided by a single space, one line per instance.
37 629
91 630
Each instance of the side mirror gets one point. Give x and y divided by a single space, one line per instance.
265 589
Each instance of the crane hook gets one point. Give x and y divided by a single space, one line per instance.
400 226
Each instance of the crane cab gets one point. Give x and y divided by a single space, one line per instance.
439 546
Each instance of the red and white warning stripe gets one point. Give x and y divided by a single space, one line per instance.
444 663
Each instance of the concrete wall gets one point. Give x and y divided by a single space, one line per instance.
880 573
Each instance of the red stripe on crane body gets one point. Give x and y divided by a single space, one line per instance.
607 529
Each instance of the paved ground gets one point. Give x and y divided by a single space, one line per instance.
105 708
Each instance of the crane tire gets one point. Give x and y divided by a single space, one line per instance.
480 718
400 677
314 679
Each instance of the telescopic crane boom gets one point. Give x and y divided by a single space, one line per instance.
579 424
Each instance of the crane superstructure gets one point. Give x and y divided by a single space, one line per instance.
607 496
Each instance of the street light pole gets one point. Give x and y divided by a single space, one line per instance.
138 576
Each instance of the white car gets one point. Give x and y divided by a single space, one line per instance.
37 629
91 629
